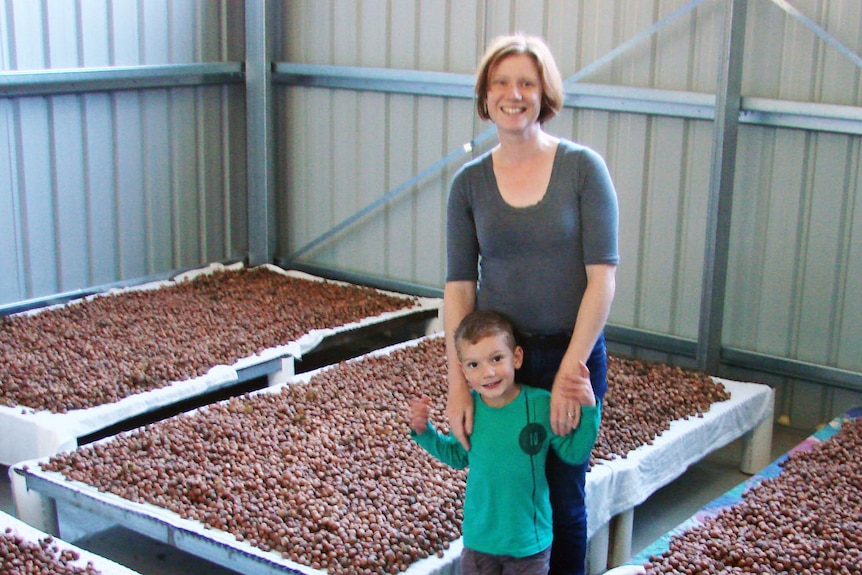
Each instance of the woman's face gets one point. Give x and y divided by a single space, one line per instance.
514 93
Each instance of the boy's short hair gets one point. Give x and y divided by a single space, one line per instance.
482 323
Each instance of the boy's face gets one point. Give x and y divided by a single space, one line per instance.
489 366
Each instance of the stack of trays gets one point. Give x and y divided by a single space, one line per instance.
55 555
34 431
361 401
830 499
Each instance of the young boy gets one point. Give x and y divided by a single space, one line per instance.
507 510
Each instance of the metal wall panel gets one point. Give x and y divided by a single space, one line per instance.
796 261
373 142
794 278
101 187
785 59
800 220
661 165
97 187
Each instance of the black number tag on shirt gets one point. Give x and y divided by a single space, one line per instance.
532 438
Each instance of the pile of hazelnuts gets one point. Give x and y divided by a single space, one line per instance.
322 472
805 520
644 398
102 349
43 557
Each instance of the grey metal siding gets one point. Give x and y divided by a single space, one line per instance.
793 283
104 186
100 185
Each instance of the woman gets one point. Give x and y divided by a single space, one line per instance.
536 219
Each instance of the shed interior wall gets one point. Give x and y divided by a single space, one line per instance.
103 186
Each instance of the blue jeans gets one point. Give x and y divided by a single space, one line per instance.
567 482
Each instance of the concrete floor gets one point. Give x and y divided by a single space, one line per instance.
667 508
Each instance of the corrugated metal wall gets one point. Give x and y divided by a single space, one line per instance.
345 149
105 186
795 270
795 278
101 187
352 147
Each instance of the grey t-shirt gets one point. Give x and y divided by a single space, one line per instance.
529 262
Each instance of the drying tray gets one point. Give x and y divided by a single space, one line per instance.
614 488
32 535
734 496
29 434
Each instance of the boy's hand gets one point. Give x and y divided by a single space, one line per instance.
420 409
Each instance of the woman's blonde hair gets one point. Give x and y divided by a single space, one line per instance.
549 75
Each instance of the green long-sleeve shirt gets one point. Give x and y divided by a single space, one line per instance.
507 510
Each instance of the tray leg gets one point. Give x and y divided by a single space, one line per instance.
287 370
621 537
597 551
757 443
32 507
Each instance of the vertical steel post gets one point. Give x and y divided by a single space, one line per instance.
260 141
727 106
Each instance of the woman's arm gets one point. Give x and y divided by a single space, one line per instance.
569 389
459 299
